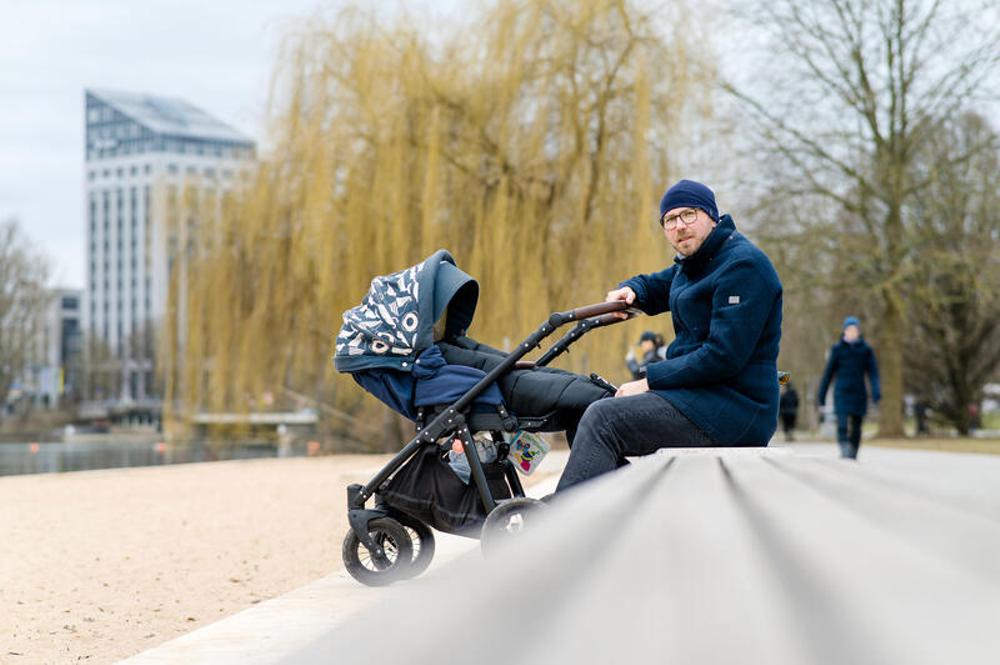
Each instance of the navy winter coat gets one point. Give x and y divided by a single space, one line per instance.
721 369
850 362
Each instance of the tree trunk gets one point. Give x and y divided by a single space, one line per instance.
890 361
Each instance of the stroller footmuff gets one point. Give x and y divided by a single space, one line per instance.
406 344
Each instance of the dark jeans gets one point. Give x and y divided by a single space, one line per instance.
849 434
614 428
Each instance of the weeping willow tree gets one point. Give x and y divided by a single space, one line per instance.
532 144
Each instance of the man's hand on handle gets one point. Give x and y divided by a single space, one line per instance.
632 388
625 293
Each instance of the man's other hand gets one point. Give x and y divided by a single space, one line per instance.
625 293
632 388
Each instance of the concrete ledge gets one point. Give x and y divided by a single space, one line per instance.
721 556
726 453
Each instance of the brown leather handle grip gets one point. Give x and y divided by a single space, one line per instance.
598 309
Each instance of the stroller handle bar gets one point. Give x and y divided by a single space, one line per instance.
582 328
559 318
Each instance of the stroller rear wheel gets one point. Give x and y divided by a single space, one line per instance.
422 540
508 521
371 569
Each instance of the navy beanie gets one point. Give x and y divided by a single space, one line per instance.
852 321
691 194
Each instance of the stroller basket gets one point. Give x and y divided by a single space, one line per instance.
427 489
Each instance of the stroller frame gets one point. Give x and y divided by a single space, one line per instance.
452 421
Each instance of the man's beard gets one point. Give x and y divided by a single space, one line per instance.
677 247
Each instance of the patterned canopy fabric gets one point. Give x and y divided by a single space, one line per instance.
394 323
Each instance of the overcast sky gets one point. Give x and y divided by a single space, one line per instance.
216 54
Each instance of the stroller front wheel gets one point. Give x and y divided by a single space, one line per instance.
422 540
372 569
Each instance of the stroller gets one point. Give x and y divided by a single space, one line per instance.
406 345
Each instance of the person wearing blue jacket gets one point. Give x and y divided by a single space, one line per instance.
849 360
718 384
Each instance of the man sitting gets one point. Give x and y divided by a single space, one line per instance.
717 385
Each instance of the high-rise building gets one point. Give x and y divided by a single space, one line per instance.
147 158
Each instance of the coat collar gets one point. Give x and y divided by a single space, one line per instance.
856 344
723 230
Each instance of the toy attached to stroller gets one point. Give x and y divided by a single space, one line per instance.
406 345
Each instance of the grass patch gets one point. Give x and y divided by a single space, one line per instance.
991 420
952 445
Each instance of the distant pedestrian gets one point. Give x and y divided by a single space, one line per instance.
920 408
850 359
975 417
788 407
653 349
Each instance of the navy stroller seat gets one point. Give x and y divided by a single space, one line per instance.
388 345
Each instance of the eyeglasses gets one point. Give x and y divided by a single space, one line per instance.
687 216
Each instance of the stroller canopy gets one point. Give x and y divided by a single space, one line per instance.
394 323
387 344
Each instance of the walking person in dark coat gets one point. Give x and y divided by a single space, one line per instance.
718 384
788 407
849 360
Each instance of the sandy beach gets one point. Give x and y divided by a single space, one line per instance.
96 566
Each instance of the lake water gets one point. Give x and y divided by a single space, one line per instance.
22 458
